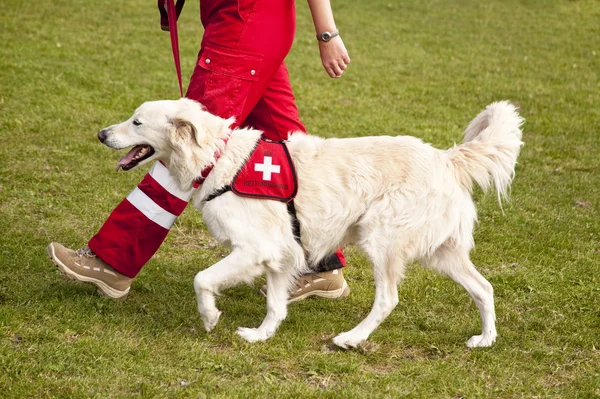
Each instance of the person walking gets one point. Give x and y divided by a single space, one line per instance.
240 72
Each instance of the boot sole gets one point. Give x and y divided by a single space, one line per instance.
102 288
340 293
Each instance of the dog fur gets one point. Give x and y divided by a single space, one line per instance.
397 198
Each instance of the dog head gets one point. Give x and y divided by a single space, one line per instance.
180 133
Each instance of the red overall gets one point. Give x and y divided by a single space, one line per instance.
240 72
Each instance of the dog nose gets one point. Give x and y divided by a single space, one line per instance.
102 135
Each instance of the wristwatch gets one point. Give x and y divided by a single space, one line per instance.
327 36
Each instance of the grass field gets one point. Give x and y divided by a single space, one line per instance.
425 68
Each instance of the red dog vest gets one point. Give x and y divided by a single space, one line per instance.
268 173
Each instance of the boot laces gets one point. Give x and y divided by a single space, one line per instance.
85 251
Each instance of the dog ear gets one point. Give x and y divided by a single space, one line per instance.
182 133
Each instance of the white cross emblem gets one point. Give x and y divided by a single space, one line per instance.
267 168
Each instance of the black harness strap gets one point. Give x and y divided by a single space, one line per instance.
329 263
295 222
217 193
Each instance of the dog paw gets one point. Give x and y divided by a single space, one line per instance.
347 340
211 320
481 341
251 334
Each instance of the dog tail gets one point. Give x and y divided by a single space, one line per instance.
490 149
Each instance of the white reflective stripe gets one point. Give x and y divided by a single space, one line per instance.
150 209
161 174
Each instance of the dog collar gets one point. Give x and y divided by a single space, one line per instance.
206 171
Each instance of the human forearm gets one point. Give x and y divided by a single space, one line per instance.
334 56
322 15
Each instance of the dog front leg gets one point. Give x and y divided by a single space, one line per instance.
386 275
237 267
277 296
386 299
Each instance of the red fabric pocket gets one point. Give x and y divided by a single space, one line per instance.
223 79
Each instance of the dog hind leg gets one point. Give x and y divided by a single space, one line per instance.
235 268
277 296
455 263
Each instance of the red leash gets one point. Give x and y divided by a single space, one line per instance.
172 17
173 10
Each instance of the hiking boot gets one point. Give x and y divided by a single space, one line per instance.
83 265
330 285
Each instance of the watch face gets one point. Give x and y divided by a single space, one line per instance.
326 36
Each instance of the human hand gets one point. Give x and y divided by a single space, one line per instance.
164 17
334 56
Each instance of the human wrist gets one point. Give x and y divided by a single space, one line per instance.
326 35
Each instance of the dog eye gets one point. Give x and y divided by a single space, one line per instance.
136 122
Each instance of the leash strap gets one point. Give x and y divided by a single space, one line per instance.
172 14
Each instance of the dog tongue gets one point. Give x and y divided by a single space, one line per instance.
128 157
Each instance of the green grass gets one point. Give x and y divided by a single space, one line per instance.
71 67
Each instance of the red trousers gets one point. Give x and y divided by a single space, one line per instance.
240 72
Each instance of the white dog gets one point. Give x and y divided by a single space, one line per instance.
397 198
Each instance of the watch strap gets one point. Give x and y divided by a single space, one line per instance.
327 36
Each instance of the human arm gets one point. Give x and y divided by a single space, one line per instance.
334 56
